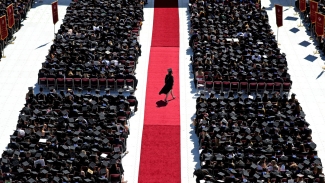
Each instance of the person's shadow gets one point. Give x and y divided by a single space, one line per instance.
161 103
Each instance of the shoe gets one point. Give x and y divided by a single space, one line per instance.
174 97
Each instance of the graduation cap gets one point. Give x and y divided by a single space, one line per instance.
248 137
25 163
239 136
20 170
44 179
65 172
312 145
89 180
31 180
116 156
284 158
37 155
307 162
92 165
257 176
56 179
221 174
43 171
233 171
266 175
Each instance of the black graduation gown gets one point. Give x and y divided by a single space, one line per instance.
169 82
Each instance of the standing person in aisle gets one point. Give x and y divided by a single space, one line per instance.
168 88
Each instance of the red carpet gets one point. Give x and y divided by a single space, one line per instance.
160 149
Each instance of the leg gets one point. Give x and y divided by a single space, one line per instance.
171 91
167 97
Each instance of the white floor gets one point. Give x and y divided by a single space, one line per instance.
19 69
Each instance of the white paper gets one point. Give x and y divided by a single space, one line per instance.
42 140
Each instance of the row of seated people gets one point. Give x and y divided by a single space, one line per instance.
69 137
96 40
255 139
20 7
118 81
234 41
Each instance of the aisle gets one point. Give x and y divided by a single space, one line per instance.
160 151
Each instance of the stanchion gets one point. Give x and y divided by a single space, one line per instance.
3 48
311 32
295 13
54 33
300 25
277 36
316 51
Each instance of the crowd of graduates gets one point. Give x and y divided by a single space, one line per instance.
259 136
96 40
78 134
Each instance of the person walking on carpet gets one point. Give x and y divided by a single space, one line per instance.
168 88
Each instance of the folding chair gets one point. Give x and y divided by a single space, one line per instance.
225 86
115 178
217 86
208 85
42 82
253 87
102 83
269 87
277 86
129 83
69 83
120 83
286 87
85 82
243 86
200 84
51 82
76 83
199 78
111 83
132 102
94 83
60 83
260 87
234 86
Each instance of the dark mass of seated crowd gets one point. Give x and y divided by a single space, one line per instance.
78 134
246 133
98 41
21 7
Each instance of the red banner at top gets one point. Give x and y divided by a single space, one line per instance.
11 16
313 9
279 15
319 28
55 14
3 26
302 5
